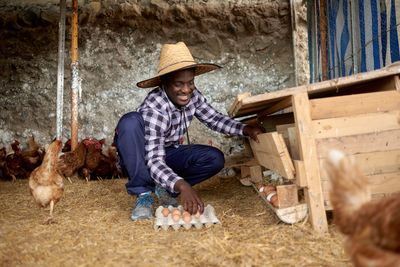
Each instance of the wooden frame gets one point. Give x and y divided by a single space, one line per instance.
359 115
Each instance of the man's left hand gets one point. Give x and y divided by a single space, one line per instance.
253 131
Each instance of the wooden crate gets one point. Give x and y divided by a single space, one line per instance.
359 115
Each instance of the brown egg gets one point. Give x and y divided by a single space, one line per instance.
165 212
187 217
176 217
272 198
274 201
185 213
176 211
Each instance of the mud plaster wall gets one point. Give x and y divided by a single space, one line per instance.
119 43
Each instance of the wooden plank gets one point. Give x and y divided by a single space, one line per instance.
301 178
323 35
308 154
351 105
272 153
287 195
238 102
253 173
262 101
380 184
362 143
270 122
293 144
360 124
372 163
286 102
282 129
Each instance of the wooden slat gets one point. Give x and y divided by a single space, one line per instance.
293 144
362 143
397 82
238 102
272 153
301 179
380 184
360 124
286 102
308 154
262 101
372 163
282 129
351 105
270 122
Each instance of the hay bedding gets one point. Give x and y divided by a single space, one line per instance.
93 228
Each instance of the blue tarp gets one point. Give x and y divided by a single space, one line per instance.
363 35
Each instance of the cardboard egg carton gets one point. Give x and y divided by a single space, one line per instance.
207 219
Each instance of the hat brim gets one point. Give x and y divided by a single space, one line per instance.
200 68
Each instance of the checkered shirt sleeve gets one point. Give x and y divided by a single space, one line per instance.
214 119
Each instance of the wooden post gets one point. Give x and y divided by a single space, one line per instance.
60 70
75 75
308 154
323 24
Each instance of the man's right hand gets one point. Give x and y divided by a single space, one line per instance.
190 201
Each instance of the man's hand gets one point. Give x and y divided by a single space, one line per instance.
190 201
253 131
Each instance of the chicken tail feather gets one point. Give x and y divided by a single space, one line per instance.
349 189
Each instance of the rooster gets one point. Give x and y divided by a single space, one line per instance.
372 227
45 182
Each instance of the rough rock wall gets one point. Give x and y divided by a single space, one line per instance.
119 43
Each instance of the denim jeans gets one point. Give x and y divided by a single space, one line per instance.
194 163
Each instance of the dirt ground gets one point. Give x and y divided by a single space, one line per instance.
93 228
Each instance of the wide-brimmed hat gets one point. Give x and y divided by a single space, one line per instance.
175 57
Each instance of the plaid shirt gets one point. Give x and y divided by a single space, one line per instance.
165 126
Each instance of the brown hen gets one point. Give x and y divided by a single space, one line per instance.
372 227
71 162
13 167
93 156
32 156
45 182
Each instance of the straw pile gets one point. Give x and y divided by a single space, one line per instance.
93 228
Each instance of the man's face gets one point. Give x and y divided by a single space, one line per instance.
179 86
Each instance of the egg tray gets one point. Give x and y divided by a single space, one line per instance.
207 219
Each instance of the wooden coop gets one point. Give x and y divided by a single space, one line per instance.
358 114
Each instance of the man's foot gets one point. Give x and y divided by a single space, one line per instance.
143 208
164 198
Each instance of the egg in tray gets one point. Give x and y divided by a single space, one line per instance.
176 218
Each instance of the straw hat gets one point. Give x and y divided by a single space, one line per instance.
175 57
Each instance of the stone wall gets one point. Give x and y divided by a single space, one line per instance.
119 43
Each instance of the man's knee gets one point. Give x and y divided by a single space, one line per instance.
218 159
130 120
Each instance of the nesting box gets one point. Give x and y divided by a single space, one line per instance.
359 115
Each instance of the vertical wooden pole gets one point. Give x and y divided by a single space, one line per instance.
75 75
293 19
308 154
323 24
60 70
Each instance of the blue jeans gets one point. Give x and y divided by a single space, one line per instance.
194 163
